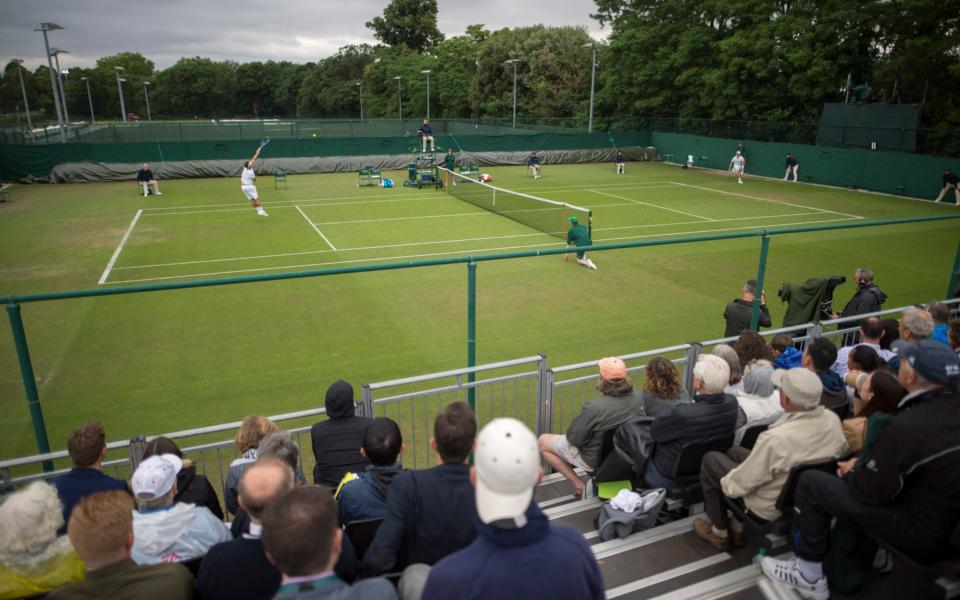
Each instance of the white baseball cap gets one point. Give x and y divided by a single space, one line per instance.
801 385
155 476
507 463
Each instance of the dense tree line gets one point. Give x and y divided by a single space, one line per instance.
749 60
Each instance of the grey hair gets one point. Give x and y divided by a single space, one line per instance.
727 353
164 500
864 273
29 520
713 371
918 322
280 444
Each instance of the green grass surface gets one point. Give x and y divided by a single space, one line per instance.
158 362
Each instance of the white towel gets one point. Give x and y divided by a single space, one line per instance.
627 501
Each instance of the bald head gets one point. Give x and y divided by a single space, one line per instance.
262 481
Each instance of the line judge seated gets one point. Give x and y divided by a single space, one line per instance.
145 177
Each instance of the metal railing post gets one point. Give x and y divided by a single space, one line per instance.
472 332
761 271
366 400
695 350
954 276
544 393
29 382
138 444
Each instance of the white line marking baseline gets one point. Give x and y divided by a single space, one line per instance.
315 228
652 205
116 253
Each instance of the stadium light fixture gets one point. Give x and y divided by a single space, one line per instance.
359 84
514 61
56 52
23 89
593 79
89 97
123 109
146 96
427 73
45 27
399 79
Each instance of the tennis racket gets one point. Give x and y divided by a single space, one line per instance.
264 143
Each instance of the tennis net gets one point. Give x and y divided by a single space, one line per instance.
548 216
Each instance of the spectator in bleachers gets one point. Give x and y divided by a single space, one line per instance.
87 446
662 387
891 333
758 401
785 354
278 445
366 496
871 333
711 416
34 559
191 487
905 494
953 334
941 314
729 355
307 561
915 324
737 314
753 351
517 553
239 568
165 531
430 512
877 400
336 441
807 433
101 531
581 445
247 441
819 356
861 361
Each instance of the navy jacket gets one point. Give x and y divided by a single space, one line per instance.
425 130
366 498
237 569
145 175
536 561
77 483
429 516
709 417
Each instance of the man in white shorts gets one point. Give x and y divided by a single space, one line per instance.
737 164
246 184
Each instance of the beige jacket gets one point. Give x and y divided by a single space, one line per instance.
793 439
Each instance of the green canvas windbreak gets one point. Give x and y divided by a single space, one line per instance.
888 126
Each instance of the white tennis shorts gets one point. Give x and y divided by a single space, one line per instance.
569 453
250 191
737 169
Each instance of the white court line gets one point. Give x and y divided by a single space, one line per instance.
275 206
699 187
433 254
116 253
315 228
390 219
653 205
697 222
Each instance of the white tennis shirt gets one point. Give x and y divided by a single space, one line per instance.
247 177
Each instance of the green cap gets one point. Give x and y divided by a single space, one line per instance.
573 219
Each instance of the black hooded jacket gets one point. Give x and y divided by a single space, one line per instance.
867 300
337 441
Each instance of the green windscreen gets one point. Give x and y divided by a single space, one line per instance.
548 216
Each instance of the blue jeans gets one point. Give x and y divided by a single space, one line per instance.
654 478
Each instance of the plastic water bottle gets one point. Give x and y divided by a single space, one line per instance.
759 556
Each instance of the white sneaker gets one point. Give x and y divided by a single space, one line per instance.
740 181
591 265
262 213
145 195
159 193
788 573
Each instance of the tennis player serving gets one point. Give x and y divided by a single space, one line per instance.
247 177
578 236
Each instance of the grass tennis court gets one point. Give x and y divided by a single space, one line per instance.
150 363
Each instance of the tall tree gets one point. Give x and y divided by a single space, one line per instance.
409 23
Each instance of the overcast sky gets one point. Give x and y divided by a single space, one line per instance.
240 30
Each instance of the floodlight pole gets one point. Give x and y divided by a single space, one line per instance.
123 109
63 96
45 27
146 95
427 71
89 97
593 79
360 85
514 61
23 88
399 79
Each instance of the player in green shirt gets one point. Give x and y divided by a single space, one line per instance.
579 236
449 160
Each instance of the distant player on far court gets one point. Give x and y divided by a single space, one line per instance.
737 164
579 236
246 183
792 166
950 181
619 160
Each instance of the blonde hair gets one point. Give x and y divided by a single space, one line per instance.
253 429
101 524
29 519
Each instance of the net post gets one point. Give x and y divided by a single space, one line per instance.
29 382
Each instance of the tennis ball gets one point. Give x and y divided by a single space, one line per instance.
313 135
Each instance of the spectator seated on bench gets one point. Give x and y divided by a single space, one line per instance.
710 417
806 433
365 497
905 493
145 177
